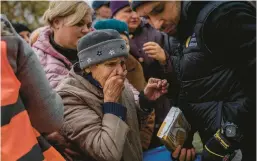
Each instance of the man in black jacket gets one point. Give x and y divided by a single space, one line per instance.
216 67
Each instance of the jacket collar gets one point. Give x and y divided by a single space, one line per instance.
43 43
70 54
189 14
77 73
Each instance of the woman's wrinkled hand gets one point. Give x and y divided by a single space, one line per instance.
155 88
113 87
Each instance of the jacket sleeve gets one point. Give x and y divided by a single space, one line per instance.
44 106
101 138
231 31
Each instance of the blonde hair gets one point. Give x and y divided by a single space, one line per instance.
72 11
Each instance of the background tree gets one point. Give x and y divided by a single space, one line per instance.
27 12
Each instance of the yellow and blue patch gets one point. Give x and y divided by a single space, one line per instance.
191 41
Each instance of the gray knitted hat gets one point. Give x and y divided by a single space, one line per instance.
99 46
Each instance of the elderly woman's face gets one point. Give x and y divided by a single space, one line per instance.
130 17
101 72
68 36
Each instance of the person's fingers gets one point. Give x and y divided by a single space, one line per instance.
114 78
153 80
182 155
165 87
150 47
159 84
188 155
150 44
125 73
119 82
152 56
113 73
164 82
193 154
152 85
175 154
117 79
151 52
164 91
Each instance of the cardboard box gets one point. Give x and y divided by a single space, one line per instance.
174 129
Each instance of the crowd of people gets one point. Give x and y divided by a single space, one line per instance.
96 83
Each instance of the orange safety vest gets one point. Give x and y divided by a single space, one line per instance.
20 141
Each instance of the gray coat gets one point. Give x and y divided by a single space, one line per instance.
105 137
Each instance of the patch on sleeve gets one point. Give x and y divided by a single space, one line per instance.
191 41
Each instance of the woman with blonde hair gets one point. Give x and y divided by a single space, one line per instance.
56 45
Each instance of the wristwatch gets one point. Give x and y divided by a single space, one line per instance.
231 132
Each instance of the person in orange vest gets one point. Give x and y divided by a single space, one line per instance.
28 104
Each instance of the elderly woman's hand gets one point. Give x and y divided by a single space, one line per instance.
113 86
155 88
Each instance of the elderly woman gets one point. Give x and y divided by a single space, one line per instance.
56 45
100 115
135 76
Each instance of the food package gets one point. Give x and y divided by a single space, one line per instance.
174 129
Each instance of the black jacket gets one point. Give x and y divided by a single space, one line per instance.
215 66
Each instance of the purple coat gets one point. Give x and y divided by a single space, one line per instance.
56 66
146 33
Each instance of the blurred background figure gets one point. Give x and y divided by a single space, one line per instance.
56 45
22 30
101 10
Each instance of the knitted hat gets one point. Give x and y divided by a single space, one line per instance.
98 4
115 6
20 27
114 24
99 46
135 4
